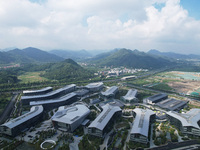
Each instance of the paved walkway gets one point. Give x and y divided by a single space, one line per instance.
151 138
105 142
74 146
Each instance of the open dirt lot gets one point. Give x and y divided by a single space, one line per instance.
185 86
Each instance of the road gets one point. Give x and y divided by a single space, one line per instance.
8 109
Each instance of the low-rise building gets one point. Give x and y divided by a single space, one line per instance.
51 95
130 96
110 93
16 126
55 103
94 87
102 124
37 92
188 123
156 98
172 104
140 129
68 118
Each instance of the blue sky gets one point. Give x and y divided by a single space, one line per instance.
192 6
166 25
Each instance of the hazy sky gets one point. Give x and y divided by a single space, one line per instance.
166 25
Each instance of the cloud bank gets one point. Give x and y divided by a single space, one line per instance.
99 24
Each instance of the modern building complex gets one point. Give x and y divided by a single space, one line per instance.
130 96
54 94
54 103
172 104
19 124
188 123
69 118
103 122
94 87
81 92
156 98
110 93
37 92
140 129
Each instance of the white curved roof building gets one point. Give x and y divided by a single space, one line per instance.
98 126
141 124
37 92
68 118
110 92
94 87
188 123
130 95
15 126
51 95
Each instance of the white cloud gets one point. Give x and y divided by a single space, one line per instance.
99 24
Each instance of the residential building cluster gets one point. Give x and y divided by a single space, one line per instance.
108 71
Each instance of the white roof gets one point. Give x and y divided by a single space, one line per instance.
35 110
36 91
190 118
104 117
69 115
94 85
131 94
50 93
127 77
141 122
57 100
110 91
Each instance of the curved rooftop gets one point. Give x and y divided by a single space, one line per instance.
104 117
141 122
49 94
131 94
35 110
110 91
37 91
70 114
94 85
57 100
190 118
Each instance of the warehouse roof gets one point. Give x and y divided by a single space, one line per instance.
156 97
104 117
190 118
71 114
141 122
35 110
171 104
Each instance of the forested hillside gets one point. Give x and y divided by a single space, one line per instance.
67 70
131 59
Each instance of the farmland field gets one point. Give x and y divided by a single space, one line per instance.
32 77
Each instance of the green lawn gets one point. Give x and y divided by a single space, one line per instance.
32 77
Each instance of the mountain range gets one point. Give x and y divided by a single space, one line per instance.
28 55
117 57
131 59
75 55
173 55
